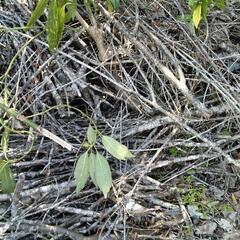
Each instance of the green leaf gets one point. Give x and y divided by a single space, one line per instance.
115 4
205 5
196 18
92 168
116 149
38 11
7 180
61 22
81 172
191 3
103 175
61 3
109 6
71 7
220 3
91 135
55 24
52 25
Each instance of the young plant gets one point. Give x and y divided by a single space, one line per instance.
7 182
94 165
6 177
60 12
199 9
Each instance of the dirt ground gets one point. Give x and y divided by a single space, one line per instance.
169 93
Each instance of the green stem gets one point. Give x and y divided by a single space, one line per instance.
21 118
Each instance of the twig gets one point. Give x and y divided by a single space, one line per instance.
17 195
165 70
62 188
37 128
96 34
146 169
36 226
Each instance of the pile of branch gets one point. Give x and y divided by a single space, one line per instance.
144 77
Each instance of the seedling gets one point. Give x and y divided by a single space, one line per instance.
94 165
199 9
59 13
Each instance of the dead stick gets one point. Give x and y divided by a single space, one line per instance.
39 129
